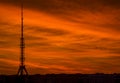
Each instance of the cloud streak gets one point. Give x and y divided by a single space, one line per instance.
67 36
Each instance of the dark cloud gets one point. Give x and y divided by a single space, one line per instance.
107 45
112 3
100 64
58 6
48 31
5 43
30 37
39 45
114 25
71 9
94 43
7 66
8 38
111 26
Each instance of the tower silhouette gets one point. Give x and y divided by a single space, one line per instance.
22 69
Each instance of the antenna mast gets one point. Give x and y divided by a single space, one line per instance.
22 69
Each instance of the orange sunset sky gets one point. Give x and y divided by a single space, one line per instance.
61 36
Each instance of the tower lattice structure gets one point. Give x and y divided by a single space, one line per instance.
22 69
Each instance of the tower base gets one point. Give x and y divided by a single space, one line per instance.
22 71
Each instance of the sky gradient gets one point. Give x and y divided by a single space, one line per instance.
61 36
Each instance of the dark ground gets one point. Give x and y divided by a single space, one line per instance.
62 78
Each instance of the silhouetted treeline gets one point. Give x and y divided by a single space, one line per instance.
62 78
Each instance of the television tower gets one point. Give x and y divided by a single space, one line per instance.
22 69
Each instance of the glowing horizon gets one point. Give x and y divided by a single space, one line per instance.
59 40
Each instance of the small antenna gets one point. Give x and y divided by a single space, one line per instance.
22 69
